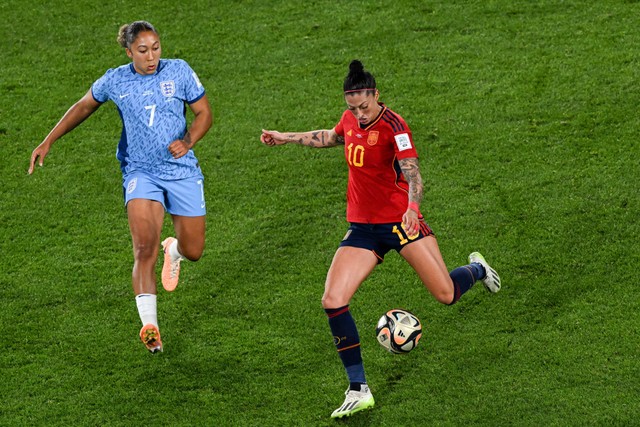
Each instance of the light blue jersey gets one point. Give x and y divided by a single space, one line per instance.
153 113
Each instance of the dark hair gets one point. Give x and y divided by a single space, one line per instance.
359 79
129 32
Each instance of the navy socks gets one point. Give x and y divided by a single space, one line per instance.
347 341
464 277
478 270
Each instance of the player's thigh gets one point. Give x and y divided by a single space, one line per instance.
349 268
145 223
190 232
425 258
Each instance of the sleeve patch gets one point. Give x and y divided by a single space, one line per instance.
403 141
195 77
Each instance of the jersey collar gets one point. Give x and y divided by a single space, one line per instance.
161 64
376 120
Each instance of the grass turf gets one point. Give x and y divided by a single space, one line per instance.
525 117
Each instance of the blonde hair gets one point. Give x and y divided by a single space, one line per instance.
129 32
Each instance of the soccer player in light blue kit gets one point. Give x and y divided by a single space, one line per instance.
160 171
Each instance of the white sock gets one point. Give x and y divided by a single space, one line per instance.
173 251
147 309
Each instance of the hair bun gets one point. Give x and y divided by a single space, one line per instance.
356 67
358 79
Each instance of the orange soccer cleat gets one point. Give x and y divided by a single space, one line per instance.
150 336
171 267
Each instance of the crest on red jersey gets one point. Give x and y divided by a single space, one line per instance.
373 137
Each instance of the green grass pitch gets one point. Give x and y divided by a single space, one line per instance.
525 114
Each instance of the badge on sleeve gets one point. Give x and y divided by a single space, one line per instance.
403 141
195 77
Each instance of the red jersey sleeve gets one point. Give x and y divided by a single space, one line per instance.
339 129
404 146
399 134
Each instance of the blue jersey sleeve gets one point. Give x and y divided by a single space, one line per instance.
100 88
192 86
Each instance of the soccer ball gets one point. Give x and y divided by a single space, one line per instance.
399 331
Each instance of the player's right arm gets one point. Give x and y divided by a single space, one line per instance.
72 118
316 138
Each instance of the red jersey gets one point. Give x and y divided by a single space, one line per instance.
377 191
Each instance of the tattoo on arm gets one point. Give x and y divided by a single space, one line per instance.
318 138
295 138
187 139
315 139
411 171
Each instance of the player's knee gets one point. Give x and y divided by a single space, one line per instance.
444 296
144 250
192 254
330 300
194 258
327 302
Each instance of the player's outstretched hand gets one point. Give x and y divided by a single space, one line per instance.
272 137
39 153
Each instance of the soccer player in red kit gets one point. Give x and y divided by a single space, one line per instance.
383 208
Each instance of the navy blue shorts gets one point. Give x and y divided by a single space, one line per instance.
381 238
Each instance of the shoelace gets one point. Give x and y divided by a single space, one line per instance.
175 265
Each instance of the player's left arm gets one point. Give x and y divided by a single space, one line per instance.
411 171
199 126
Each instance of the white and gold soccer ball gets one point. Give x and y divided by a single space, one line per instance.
399 331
